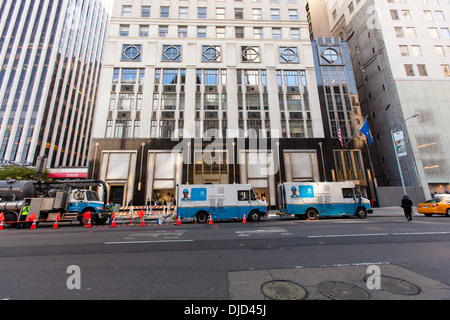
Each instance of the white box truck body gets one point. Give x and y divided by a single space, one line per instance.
317 199
221 201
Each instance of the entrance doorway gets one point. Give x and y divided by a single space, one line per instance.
211 167
116 194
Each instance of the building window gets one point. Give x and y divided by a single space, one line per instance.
257 14
201 32
295 33
399 32
211 54
433 33
124 30
131 52
349 165
201 13
123 129
126 11
250 54
404 51
129 76
330 55
445 33
220 13
445 70
439 51
275 14
422 70
171 53
239 13
143 31
258 33
145 13
126 101
297 128
183 13
276 33
220 32
293 14
239 32
166 128
416 51
164 12
182 31
409 70
163 31
411 32
288 55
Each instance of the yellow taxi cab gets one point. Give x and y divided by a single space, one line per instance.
439 205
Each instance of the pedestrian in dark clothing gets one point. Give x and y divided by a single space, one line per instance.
407 207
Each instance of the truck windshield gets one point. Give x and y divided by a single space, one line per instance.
253 195
92 196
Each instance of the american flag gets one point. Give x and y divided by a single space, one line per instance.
339 133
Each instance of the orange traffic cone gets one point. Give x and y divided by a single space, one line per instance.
179 221
2 218
141 216
113 224
210 219
245 219
58 218
87 217
32 217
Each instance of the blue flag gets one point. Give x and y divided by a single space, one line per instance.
365 130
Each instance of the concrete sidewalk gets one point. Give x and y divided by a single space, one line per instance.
335 283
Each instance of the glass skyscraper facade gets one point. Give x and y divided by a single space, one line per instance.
51 54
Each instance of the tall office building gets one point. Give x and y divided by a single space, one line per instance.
400 53
215 91
50 58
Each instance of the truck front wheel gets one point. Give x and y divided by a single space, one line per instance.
202 217
361 213
10 220
254 216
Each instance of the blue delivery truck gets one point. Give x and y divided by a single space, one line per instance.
220 201
311 200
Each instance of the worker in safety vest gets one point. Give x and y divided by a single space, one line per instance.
23 218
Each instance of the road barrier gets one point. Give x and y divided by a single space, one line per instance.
140 213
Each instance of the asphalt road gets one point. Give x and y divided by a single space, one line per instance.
226 260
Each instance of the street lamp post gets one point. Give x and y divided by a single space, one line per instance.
395 149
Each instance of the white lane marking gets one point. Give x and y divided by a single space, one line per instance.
378 234
349 235
262 231
343 265
156 241
418 233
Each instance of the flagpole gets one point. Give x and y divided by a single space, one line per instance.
356 131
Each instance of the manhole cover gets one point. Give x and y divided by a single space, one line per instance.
283 290
397 286
342 291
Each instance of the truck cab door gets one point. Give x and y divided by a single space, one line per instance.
243 203
76 201
350 202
